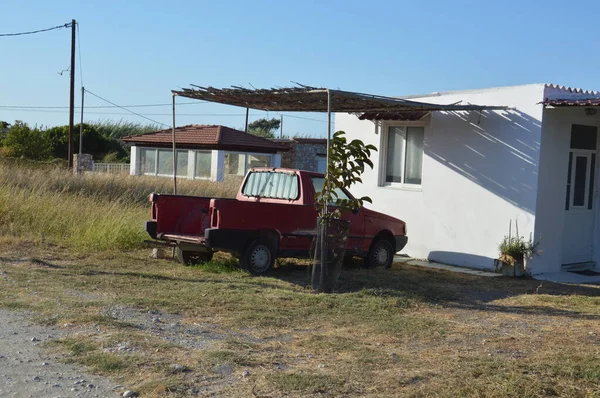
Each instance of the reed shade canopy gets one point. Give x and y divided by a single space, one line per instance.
312 99
303 98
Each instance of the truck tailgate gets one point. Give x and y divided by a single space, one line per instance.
178 215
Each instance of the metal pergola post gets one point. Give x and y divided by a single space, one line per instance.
324 228
174 151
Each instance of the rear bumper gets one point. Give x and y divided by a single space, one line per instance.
150 227
228 240
401 241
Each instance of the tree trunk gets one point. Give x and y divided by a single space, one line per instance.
329 252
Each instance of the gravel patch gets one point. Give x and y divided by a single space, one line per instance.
28 371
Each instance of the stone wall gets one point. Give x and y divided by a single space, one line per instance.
83 163
303 153
288 159
306 155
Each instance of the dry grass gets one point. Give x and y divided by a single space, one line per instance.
93 211
43 178
399 332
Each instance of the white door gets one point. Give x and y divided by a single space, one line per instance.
579 204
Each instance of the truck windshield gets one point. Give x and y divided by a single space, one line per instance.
318 186
271 184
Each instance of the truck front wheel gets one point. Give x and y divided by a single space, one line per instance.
381 254
258 257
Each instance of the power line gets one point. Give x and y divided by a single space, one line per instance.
61 110
125 109
67 25
98 106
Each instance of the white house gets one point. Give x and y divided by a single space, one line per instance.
206 152
458 178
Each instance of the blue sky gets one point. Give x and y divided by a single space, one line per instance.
135 52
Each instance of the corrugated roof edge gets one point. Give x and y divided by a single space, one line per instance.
478 90
572 89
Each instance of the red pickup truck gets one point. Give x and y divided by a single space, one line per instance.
274 215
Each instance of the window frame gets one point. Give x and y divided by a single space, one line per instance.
156 162
384 149
246 157
203 151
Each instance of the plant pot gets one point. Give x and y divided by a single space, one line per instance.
329 251
517 270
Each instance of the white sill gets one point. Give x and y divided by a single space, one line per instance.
400 187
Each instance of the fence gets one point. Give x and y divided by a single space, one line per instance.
111 168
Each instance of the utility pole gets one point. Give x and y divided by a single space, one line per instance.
72 95
81 123
281 127
247 114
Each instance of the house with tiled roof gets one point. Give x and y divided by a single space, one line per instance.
208 152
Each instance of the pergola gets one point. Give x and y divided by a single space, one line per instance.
312 99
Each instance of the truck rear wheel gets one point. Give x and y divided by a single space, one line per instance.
258 257
381 254
192 258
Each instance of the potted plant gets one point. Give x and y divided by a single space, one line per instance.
515 251
346 162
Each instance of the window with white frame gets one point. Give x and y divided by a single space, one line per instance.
159 162
238 163
203 165
403 163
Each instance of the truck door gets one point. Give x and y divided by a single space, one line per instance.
356 218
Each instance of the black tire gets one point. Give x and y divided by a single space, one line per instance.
192 258
258 257
381 254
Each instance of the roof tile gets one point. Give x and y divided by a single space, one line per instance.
207 136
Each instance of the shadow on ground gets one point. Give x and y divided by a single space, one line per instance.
445 288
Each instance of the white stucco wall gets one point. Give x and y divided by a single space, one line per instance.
479 172
552 186
134 161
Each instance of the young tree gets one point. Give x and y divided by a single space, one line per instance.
346 163
264 127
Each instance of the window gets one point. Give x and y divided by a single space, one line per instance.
271 185
148 161
321 164
203 164
159 162
239 163
318 186
182 163
235 163
259 160
404 155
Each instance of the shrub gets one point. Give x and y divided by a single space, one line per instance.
23 141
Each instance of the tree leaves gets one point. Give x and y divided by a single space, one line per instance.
346 163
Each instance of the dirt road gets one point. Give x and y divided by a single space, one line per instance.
26 370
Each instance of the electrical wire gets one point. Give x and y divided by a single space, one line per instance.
67 25
26 107
62 109
125 109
